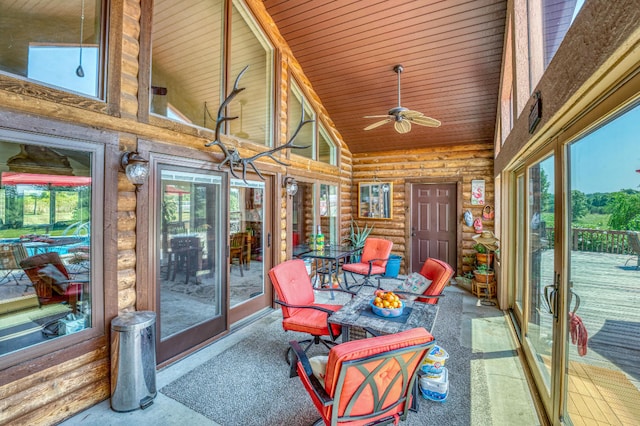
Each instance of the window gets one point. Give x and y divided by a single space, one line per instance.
307 134
253 106
315 205
319 143
326 148
186 61
46 287
549 21
55 43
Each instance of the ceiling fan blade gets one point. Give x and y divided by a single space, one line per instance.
411 114
377 116
426 121
377 124
402 126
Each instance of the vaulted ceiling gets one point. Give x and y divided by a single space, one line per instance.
451 51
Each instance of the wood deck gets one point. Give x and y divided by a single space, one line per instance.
604 384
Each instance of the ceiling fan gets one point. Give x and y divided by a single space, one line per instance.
402 117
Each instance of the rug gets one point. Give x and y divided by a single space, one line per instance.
249 384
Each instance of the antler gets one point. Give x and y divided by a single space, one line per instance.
250 161
232 157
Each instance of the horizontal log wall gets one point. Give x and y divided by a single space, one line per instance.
462 163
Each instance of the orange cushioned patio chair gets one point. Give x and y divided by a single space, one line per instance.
433 277
373 261
439 273
299 310
51 280
368 381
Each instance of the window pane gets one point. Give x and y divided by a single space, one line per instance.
190 249
604 213
329 213
45 243
186 61
253 106
56 43
306 136
557 16
246 243
326 148
539 332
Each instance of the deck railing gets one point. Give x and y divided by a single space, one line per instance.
596 240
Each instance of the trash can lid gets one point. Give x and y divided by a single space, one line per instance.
136 320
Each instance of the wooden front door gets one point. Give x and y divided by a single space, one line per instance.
433 223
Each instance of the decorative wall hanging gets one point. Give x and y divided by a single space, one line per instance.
468 218
232 156
477 192
488 212
477 225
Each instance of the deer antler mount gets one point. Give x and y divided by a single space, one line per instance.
232 156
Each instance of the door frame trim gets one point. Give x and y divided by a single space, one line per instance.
408 185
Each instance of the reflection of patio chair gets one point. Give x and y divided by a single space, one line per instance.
51 280
10 256
185 255
238 249
634 245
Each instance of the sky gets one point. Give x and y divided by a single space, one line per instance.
606 160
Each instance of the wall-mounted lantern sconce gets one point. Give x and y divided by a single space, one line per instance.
290 185
135 167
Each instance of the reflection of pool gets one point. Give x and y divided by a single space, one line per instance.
60 245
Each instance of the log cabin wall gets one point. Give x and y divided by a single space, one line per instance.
55 386
451 164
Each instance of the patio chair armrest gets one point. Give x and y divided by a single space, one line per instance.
421 295
318 389
317 308
342 290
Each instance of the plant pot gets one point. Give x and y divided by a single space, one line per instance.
484 258
468 260
484 276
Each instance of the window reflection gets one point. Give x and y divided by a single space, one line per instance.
190 250
186 59
56 43
253 107
45 244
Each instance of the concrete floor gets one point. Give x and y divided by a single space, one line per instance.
488 333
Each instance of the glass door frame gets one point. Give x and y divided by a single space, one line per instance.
257 303
148 265
553 400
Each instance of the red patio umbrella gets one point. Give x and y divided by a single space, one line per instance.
14 178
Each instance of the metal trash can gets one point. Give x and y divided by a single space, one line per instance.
133 361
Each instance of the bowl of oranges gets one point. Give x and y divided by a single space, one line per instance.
386 304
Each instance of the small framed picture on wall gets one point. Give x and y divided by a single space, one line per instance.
477 192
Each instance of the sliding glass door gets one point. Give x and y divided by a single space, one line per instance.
575 294
190 251
602 312
249 246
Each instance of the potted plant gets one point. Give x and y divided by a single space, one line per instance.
483 257
357 237
483 274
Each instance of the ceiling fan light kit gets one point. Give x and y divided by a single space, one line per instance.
402 117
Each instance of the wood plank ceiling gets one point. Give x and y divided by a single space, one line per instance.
451 52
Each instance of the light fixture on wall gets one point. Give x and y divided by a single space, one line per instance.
135 167
290 185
